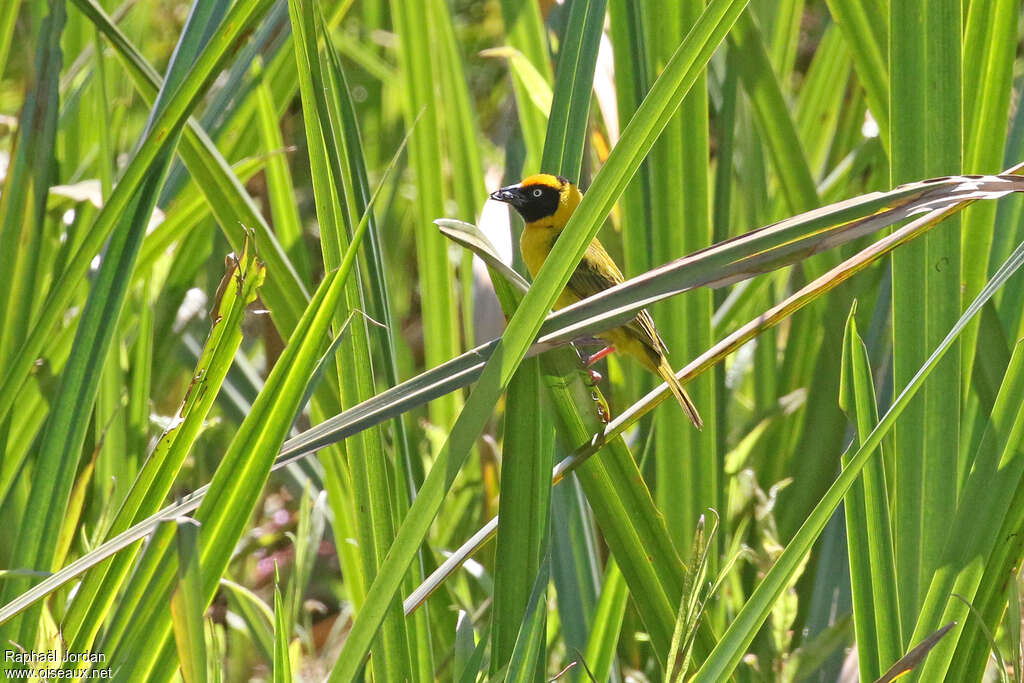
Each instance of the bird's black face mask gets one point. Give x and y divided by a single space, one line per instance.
533 202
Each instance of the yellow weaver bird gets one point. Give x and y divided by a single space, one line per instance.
546 202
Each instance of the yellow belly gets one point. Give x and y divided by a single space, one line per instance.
535 245
636 340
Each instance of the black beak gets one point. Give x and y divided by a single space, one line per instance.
510 195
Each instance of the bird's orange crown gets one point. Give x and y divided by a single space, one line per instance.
543 200
545 180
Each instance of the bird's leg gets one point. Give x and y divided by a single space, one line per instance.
588 363
606 351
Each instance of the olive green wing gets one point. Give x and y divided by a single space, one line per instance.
596 273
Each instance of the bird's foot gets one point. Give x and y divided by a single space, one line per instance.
603 413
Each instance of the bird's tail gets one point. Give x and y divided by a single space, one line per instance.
666 373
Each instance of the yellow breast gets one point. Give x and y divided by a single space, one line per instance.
539 236
535 244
